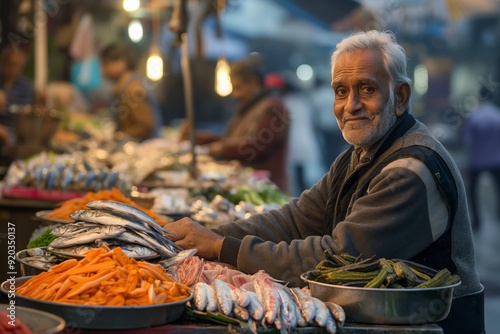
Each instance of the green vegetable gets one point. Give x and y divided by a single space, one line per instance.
43 240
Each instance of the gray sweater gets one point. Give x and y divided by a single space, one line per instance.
400 216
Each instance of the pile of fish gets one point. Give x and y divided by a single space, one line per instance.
114 224
270 304
66 172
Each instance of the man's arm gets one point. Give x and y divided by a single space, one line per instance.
399 217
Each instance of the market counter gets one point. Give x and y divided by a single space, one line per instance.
216 329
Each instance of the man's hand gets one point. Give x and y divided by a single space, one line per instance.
189 234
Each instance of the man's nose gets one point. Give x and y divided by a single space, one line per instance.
353 102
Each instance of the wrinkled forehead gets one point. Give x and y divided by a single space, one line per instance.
367 63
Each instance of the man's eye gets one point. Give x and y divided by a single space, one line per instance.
339 92
367 90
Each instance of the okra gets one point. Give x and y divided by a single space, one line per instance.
335 277
454 279
349 257
409 275
420 267
438 280
362 266
326 264
378 280
391 274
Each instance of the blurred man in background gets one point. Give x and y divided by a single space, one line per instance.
136 111
257 133
482 138
14 87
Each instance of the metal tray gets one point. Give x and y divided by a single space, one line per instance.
104 317
409 306
39 322
28 269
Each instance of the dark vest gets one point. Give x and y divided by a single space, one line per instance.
344 191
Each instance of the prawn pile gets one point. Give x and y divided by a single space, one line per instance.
105 277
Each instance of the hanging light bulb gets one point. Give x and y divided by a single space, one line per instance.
131 5
154 65
223 85
135 31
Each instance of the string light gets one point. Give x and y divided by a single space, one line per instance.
154 65
135 31
223 85
131 5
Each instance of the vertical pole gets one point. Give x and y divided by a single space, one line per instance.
188 101
40 22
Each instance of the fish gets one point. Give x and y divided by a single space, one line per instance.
42 261
106 218
269 298
74 251
337 313
167 252
127 210
73 228
200 296
131 250
288 312
102 232
305 303
255 308
223 295
67 178
331 326
211 299
179 258
240 297
36 252
322 313
240 313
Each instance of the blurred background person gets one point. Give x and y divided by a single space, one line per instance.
257 133
482 138
135 109
14 87
305 165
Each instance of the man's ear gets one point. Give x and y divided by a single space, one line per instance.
402 94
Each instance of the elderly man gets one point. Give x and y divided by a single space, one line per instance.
395 193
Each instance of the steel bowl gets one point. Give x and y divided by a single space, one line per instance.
411 306
28 269
39 322
103 317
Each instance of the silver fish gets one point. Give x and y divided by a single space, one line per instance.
138 251
240 313
157 246
223 294
127 210
73 228
103 232
106 218
306 304
211 299
331 326
179 258
337 313
240 296
39 263
78 251
36 252
288 312
200 298
322 312
255 308
270 298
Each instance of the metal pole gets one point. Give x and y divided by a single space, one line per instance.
188 101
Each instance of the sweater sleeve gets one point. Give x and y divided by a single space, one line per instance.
392 220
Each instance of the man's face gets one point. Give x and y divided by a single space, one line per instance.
364 101
113 69
13 65
243 91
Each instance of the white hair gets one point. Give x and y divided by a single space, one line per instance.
393 54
